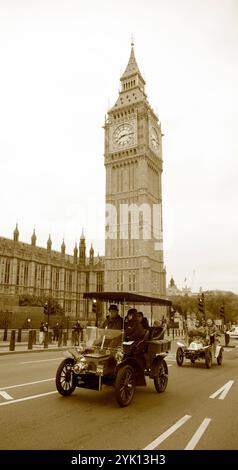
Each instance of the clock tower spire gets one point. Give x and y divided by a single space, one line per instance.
133 162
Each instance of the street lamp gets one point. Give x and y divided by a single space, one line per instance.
28 323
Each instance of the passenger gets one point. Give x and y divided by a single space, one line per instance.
143 320
133 327
158 330
113 321
212 333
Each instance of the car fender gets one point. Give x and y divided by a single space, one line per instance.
136 366
157 360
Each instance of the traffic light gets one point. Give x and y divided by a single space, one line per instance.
172 312
222 311
94 308
201 304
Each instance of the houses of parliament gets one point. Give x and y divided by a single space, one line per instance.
133 164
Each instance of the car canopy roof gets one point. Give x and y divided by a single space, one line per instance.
121 297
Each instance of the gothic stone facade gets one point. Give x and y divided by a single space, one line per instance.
29 269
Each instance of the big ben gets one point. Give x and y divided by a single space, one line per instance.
133 162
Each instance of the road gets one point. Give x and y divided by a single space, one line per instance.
197 411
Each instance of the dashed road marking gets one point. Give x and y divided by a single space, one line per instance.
198 434
42 360
5 395
27 398
28 383
167 433
222 391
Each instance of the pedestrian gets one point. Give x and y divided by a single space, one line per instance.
56 332
41 333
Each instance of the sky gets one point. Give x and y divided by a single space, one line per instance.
61 63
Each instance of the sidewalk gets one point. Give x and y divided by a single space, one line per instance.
23 348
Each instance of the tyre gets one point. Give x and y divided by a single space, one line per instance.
65 378
227 339
192 360
219 358
208 359
125 385
161 381
179 356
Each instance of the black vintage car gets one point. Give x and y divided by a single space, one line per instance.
105 358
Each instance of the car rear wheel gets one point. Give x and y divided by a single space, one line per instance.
161 380
219 358
125 385
208 359
65 378
179 357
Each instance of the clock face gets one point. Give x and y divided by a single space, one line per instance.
123 135
154 139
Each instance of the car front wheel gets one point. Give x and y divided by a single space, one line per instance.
125 385
65 378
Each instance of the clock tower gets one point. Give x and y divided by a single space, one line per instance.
133 161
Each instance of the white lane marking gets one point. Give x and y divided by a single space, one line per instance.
6 395
198 434
223 390
167 433
43 360
27 398
28 383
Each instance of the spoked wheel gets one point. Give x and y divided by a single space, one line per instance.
161 380
65 378
219 358
208 359
179 356
125 385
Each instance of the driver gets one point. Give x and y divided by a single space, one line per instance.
198 331
114 321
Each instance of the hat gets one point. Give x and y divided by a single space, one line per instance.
131 311
113 307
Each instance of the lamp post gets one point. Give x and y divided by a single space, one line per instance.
28 323
67 327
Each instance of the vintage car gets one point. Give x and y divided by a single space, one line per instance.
105 358
198 349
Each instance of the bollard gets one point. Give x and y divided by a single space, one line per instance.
72 338
12 341
50 337
46 340
33 336
60 338
64 338
19 335
5 335
30 339
173 332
